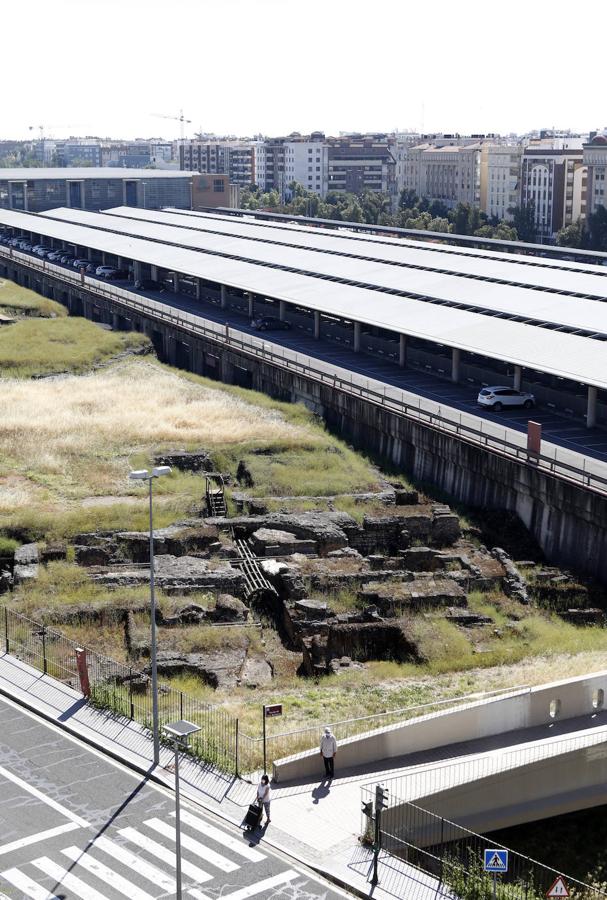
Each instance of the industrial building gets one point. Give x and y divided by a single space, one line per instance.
469 315
38 190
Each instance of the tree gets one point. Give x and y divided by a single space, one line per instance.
523 219
438 208
597 229
440 223
571 235
460 218
505 232
408 199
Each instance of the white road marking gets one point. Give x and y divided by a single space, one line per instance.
66 813
27 886
34 838
66 879
165 855
123 885
221 837
216 859
251 890
124 856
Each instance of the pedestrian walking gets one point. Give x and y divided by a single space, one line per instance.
328 751
264 796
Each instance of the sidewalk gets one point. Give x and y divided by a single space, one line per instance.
305 823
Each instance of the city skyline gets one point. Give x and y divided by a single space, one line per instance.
238 69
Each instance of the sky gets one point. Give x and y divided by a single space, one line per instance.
243 67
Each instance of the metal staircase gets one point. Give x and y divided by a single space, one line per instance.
215 495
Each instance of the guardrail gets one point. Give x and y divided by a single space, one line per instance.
455 855
384 396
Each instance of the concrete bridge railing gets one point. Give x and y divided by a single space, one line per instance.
557 701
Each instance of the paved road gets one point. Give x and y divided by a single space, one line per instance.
74 824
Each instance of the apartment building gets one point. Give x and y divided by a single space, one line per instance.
362 162
553 179
595 161
237 159
450 173
500 179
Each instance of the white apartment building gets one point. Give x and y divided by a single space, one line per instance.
307 163
450 173
500 179
595 160
553 179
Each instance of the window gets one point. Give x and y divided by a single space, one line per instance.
219 185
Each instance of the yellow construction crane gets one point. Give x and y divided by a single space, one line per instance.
180 118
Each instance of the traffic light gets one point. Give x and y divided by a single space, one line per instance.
381 798
368 808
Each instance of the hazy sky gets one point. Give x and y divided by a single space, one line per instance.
104 67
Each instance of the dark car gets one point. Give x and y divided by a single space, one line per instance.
147 284
269 323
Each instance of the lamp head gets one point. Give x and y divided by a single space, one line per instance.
139 475
160 470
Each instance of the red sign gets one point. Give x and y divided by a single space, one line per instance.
83 671
558 889
275 710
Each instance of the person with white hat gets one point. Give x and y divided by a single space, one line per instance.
328 751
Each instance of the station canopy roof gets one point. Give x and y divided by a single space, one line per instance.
261 268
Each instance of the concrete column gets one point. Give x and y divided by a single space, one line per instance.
316 324
175 282
518 378
103 260
89 253
402 351
224 296
282 309
154 273
455 361
115 322
591 408
357 337
251 305
198 289
136 271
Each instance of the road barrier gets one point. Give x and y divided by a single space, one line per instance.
384 396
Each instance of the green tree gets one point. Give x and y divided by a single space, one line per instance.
523 219
408 199
571 235
460 218
439 223
597 229
505 232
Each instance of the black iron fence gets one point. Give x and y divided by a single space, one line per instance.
121 689
454 856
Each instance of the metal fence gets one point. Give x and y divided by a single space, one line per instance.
382 395
121 689
454 856
299 741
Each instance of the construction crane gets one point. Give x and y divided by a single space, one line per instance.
42 128
180 118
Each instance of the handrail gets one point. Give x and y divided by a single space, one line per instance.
227 335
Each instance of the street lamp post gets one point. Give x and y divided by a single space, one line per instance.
179 732
144 475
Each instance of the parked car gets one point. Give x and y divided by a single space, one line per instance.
67 258
496 398
80 263
147 284
56 255
43 251
269 323
105 271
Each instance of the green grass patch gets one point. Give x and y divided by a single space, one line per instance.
20 301
43 347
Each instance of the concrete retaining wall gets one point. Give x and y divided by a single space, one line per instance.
571 698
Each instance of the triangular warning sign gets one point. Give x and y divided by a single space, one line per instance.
558 889
497 862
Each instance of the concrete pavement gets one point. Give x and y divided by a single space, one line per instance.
304 825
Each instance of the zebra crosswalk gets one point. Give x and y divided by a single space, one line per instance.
139 863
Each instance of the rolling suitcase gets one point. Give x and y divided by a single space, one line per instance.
253 816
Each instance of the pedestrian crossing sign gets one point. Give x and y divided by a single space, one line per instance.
558 889
496 860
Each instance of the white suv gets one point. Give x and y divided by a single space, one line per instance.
496 398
